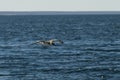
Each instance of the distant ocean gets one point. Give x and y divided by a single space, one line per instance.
91 49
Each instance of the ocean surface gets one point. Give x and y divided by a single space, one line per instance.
91 49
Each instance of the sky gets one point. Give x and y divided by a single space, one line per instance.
59 5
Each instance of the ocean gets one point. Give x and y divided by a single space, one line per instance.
91 49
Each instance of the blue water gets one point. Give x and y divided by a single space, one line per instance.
91 49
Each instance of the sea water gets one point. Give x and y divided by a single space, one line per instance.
91 49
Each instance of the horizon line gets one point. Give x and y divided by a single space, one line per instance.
57 12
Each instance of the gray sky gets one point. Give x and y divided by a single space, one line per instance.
59 5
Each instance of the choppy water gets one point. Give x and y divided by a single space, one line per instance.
91 49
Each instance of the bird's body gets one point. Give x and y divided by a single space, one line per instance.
50 42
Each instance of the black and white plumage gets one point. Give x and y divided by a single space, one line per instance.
50 42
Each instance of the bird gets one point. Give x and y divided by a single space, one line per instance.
50 42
